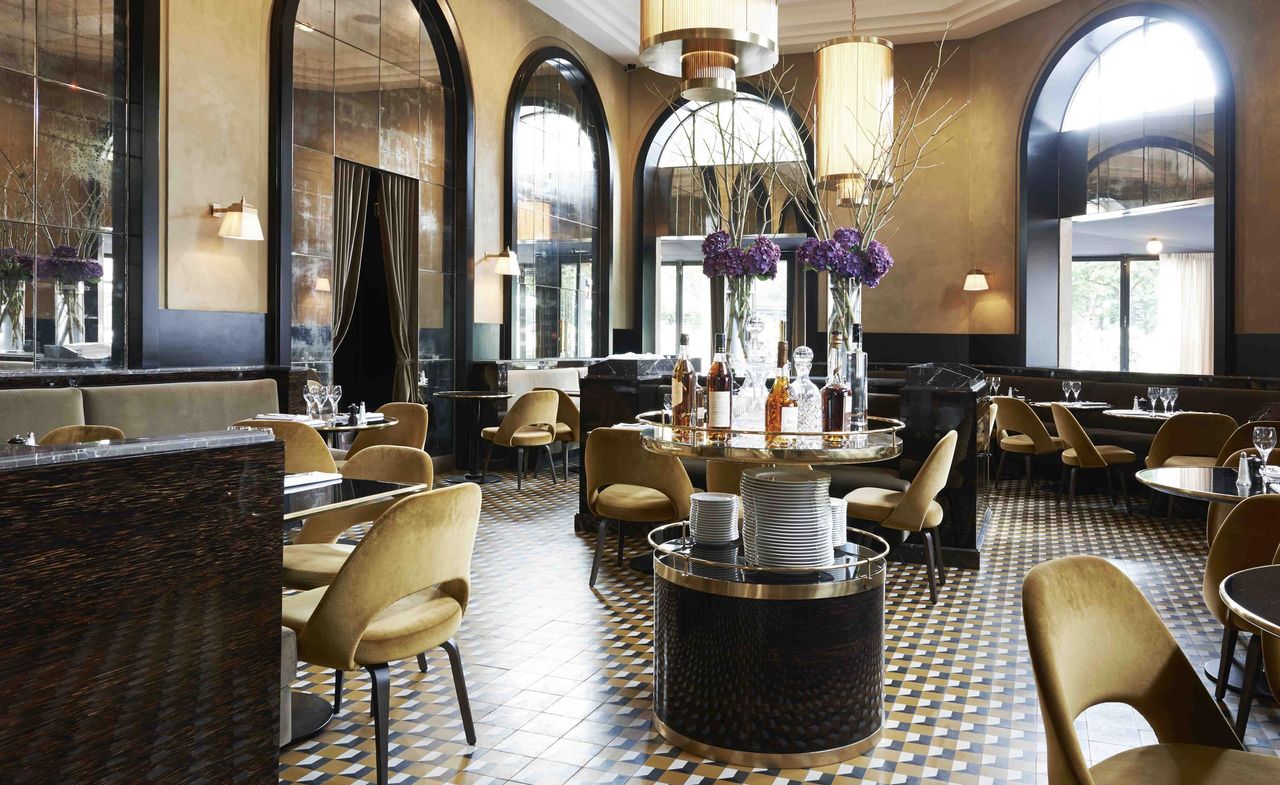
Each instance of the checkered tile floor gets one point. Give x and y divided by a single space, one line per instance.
560 675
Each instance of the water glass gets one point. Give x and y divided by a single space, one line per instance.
310 398
335 395
1066 391
1075 390
666 408
322 395
994 381
1264 439
1153 395
1166 393
1173 398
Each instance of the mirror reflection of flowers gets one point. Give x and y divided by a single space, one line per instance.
67 269
15 273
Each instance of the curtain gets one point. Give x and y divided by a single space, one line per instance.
350 200
1186 309
398 200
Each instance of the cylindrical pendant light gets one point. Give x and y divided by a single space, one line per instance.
709 44
854 115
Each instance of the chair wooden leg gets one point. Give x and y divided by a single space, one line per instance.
933 578
488 455
551 460
601 532
337 692
519 468
1229 637
999 468
381 709
422 662
1151 503
1124 491
566 461
1111 487
1062 485
937 549
460 686
1071 491
1028 463
1252 665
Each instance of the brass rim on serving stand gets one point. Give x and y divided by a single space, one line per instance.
878 443
768 760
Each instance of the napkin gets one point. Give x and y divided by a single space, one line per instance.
311 478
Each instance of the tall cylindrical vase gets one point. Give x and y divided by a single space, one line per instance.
844 315
12 297
70 314
737 311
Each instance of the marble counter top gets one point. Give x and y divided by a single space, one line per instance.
21 456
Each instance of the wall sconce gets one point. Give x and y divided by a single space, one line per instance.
322 285
239 220
976 281
1154 246
504 263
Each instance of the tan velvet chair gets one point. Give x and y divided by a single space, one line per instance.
628 485
1249 537
1082 453
1022 433
304 447
1095 639
915 509
79 434
1188 439
530 422
1242 439
409 431
568 427
316 556
403 591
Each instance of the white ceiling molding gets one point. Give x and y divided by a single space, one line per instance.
613 26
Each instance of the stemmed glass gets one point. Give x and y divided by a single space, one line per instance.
994 381
1164 398
1066 392
322 395
666 408
1264 439
335 395
1153 395
310 398
1075 390
1173 398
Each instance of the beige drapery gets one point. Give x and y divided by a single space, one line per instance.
351 184
398 199
1186 310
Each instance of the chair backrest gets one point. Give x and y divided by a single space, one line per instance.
1016 416
567 411
1071 432
1190 433
534 408
79 434
304 447
1095 639
614 456
1242 439
988 409
410 431
423 541
929 481
385 462
1248 537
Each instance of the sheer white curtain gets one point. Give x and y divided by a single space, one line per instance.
1186 310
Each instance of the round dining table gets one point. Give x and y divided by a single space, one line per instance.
332 430
477 398
1254 595
1202 483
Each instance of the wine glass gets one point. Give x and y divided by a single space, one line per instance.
1066 392
335 395
1153 395
666 408
322 395
1075 390
994 381
1173 398
310 398
1166 394
1264 439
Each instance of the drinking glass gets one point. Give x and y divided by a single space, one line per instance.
310 398
1173 398
1264 439
322 395
666 408
1075 390
1166 394
335 395
1153 395
1066 391
994 381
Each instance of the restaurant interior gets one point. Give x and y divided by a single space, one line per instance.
757 391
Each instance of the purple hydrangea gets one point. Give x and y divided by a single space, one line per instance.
762 258
721 257
65 266
878 262
844 255
716 243
849 238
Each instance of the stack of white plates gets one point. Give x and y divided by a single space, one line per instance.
787 517
713 518
839 522
725 556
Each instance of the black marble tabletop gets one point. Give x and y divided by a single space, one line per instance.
16 456
1217 484
1254 595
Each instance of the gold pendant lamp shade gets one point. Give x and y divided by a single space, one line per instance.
709 44
855 116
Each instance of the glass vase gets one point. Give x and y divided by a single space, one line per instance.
12 298
70 314
844 315
737 312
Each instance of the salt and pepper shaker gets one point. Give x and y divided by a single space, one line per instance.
364 415
353 415
1244 478
1136 406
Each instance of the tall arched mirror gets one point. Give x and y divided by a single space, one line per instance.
1128 215
558 175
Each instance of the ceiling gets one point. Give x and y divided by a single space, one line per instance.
1182 230
613 26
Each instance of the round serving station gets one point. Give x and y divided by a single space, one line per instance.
769 666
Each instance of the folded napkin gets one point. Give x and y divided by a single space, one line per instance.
374 417
311 478
283 416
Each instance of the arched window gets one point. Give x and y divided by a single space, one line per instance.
383 93
1126 172
64 183
696 152
559 180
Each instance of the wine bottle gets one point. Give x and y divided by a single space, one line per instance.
719 394
837 398
782 411
684 392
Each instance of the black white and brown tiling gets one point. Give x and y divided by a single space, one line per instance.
560 674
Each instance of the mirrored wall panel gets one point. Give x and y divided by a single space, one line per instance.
63 183
557 150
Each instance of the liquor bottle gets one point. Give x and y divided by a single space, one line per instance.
806 395
782 412
858 379
837 399
719 395
684 393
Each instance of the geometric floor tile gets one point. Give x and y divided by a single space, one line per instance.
560 675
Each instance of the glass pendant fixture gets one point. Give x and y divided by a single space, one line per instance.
854 128
709 44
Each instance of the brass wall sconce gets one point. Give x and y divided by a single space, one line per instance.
239 220
976 281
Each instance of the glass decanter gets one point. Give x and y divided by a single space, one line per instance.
807 396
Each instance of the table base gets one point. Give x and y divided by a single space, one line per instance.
766 760
478 479
309 714
1235 680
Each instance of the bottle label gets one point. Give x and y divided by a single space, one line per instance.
719 407
790 419
677 391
